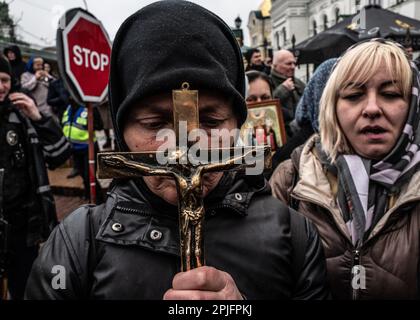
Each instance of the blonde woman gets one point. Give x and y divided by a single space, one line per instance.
358 181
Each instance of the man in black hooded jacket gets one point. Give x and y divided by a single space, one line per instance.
29 142
128 248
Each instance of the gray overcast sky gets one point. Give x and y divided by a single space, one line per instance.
38 18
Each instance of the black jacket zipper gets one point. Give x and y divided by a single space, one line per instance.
356 262
132 211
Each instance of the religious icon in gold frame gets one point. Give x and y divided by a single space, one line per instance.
264 125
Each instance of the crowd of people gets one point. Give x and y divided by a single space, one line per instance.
41 127
337 217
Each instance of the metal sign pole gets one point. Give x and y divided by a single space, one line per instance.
92 180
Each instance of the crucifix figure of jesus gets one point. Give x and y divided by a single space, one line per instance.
186 173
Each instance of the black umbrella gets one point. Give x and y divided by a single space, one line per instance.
373 21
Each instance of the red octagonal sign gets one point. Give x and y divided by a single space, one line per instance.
87 56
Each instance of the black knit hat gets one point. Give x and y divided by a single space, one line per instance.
5 66
170 42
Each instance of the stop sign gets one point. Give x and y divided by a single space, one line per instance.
87 56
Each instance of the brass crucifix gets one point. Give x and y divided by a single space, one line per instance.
187 175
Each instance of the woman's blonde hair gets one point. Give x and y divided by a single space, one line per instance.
358 66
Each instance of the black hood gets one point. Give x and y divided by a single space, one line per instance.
5 66
167 43
16 51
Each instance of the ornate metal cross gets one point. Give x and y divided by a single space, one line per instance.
187 174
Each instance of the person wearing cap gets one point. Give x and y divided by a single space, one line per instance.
128 248
29 142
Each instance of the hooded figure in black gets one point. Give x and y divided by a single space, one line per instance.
29 143
14 56
128 248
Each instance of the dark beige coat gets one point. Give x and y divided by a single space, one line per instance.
390 256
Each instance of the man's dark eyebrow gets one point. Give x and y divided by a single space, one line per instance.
167 111
209 108
157 109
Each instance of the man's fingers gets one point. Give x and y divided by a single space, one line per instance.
205 283
172 294
203 278
18 96
20 102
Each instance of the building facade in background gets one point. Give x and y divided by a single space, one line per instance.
302 19
305 18
259 26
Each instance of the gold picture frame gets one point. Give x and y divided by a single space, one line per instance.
264 124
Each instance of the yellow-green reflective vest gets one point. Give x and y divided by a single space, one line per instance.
75 128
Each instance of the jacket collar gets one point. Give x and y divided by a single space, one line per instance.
277 76
409 193
234 192
140 212
313 186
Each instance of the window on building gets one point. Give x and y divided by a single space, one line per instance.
254 40
337 15
314 26
278 40
283 31
357 5
325 21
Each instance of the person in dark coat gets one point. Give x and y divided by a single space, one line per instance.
29 143
255 62
58 98
248 239
307 112
14 56
286 86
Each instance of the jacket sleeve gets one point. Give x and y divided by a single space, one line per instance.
53 98
55 146
281 92
284 96
61 269
57 95
28 81
312 283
